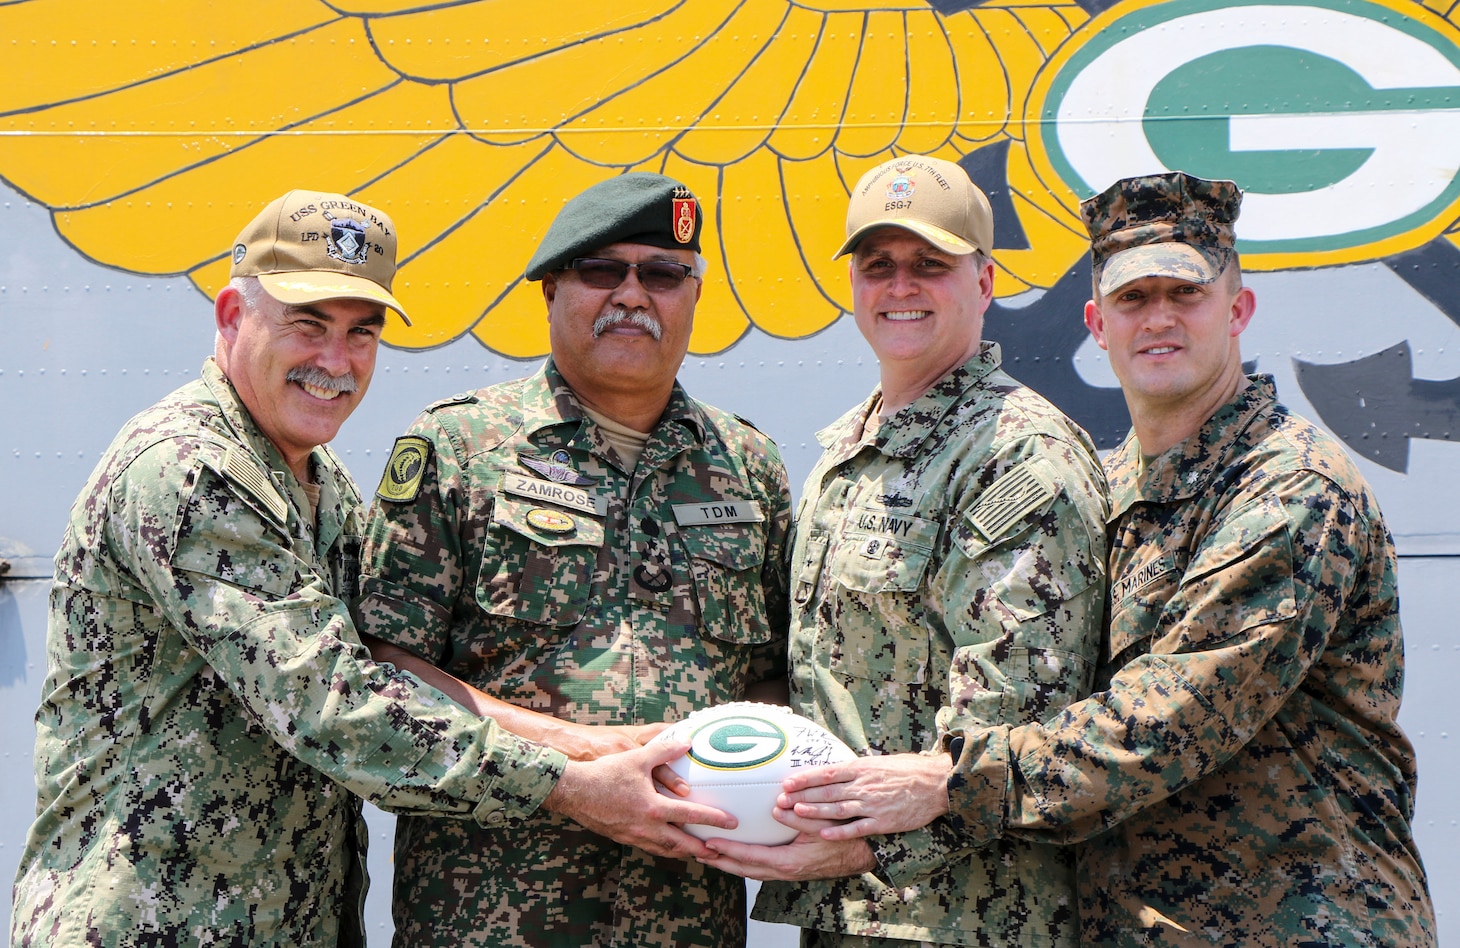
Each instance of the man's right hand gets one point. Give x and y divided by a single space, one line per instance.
614 796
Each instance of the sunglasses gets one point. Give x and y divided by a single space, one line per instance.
656 276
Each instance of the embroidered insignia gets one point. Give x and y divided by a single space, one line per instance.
244 472
900 188
346 240
684 215
1008 500
658 581
724 511
551 521
401 481
564 495
555 469
1142 576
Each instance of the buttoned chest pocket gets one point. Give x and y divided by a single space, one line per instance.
1239 577
878 565
726 561
537 563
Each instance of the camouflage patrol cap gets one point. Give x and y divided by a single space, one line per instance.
634 208
931 197
1172 224
313 246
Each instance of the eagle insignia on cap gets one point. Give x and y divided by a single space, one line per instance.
684 215
347 240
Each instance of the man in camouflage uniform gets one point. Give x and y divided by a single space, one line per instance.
1240 779
209 711
948 573
588 545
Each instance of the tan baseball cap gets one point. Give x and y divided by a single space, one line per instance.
312 246
931 197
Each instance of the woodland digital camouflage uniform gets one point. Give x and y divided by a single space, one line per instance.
620 610
948 573
1241 779
209 709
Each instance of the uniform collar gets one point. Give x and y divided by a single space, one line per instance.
1187 468
548 400
903 434
239 422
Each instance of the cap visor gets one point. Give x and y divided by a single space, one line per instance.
937 236
317 286
1168 258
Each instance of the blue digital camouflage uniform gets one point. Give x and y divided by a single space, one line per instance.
1241 779
208 705
531 565
948 573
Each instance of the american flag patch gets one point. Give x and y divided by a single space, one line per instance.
1009 499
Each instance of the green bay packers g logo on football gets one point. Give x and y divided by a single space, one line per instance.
1339 118
737 743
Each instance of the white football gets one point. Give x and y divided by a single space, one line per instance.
738 755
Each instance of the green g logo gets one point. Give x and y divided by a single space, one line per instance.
737 743
1338 119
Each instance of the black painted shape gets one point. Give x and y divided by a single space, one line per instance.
1039 343
1434 271
1376 405
987 168
946 7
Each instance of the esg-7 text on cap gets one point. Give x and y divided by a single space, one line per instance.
930 197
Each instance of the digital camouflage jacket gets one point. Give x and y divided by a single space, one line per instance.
510 546
1239 778
209 712
948 573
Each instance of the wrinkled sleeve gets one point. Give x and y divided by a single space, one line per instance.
1246 624
1023 595
224 572
412 561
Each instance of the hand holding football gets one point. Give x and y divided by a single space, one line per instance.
739 753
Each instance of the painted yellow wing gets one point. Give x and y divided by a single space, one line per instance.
154 129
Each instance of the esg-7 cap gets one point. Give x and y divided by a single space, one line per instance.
931 197
1170 225
638 207
313 246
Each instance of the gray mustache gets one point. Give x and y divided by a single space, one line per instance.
634 317
319 378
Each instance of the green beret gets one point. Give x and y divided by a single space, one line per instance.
633 208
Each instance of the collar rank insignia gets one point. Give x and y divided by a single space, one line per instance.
555 469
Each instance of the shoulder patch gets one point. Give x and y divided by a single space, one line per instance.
401 481
243 471
1017 493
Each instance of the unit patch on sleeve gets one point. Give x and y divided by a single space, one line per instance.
1017 493
401 481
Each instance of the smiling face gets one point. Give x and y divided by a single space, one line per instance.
1173 345
623 361
919 308
300 370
